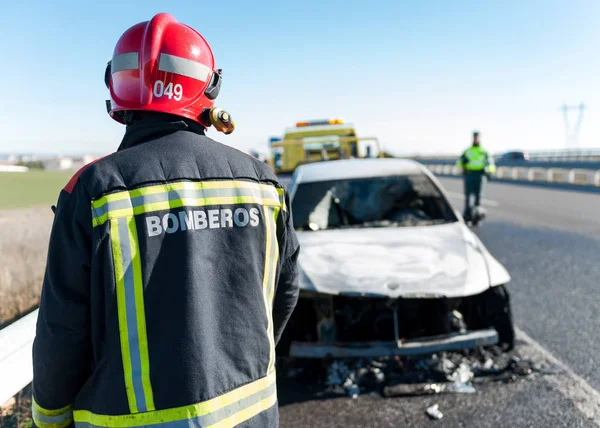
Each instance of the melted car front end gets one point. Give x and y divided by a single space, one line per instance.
339 326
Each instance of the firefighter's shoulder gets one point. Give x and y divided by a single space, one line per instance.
75 178
254 166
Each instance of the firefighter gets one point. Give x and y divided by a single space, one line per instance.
476 164
172 267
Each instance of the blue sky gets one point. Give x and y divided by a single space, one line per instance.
420 75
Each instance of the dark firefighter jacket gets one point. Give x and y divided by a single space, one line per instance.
171 275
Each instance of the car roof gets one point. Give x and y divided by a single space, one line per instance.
356 168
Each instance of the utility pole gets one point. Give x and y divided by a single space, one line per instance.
572 135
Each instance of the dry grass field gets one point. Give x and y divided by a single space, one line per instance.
23 252
25 224
23 249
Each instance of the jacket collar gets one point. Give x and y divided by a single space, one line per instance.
156 127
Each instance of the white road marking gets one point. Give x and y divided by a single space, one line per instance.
487 202
569 384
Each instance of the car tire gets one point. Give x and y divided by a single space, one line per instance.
493 309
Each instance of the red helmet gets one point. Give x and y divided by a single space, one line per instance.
164 66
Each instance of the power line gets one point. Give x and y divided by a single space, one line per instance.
572 134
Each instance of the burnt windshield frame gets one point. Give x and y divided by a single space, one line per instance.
309 195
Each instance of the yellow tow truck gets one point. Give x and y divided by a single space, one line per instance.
319 140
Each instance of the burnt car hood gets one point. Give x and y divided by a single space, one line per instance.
413 262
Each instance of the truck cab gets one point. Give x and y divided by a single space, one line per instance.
319 140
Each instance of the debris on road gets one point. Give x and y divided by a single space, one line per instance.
414 389
434 412
352 376
337 373
458 372
447 372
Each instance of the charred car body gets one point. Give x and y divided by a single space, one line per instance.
388 267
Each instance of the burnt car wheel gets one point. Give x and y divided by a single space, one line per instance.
492 309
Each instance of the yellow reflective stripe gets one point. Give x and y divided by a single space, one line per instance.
272 285
474 167
140 313
274 261
476 161
164 188
189 412
281 193
189 202
39 422
131 314
125 212
200 185
267 275
48 412
250 412
476 154
46 418
122 314
198 202
271 250
109 198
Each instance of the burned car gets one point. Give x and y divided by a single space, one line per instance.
388 267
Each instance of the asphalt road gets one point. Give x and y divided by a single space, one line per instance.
549 240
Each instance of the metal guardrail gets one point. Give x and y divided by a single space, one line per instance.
565 154
562 164
16 364
575 176
558 155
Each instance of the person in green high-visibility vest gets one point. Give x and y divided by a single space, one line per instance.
476 165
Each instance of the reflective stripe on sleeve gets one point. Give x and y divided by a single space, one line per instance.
45 418
227 410
191 194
